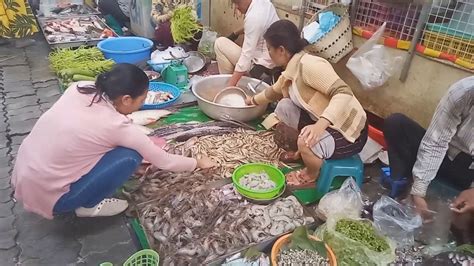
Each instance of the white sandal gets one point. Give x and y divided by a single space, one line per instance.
107 207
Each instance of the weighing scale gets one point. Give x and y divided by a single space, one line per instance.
176 73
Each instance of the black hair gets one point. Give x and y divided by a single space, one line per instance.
285 33
122 79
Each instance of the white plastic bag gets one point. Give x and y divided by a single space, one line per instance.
206 45
396 221
164 57
344 202
372 64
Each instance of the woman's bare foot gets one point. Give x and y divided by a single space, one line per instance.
290 157
300 179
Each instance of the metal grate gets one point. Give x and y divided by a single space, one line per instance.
313 6
450 31
401 18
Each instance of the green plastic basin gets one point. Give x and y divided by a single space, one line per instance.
274 173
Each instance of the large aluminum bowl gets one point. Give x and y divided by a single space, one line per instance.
208 87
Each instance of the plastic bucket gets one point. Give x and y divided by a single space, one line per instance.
126 49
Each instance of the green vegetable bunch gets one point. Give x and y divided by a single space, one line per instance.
78 64
183 24
363 233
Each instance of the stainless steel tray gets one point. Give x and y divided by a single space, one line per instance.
92 41
87 11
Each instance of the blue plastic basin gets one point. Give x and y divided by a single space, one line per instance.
126 49
160 86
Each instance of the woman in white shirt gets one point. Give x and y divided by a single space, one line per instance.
252 57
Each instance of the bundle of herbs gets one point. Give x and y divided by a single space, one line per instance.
184 24
79 64
356 242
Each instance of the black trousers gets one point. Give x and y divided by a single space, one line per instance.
111 7
403 137
268 76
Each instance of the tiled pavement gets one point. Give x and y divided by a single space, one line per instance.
27 90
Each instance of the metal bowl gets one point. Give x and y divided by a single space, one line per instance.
206 88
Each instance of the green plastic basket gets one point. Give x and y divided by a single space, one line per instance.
145 257
274 173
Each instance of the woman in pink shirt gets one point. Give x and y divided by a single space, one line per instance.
84 148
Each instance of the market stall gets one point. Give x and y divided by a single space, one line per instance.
72 24
219 216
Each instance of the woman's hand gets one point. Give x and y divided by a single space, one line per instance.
249 101
205 163
312 134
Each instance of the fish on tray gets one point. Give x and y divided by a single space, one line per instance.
75 29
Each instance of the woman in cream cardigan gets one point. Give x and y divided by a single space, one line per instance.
319 116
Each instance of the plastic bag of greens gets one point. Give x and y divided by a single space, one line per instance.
345 201
356 242
206 45
396 221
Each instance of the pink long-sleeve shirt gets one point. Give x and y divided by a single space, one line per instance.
68 141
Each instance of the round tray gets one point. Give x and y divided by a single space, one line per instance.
195 62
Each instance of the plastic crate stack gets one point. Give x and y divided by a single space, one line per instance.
449 33
401 21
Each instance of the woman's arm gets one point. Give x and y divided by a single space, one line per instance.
270 94
127 135
321 76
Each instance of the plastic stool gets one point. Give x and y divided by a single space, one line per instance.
346 167
396 186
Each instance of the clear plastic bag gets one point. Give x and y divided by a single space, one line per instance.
206 45
372 64
350 252
346 201
396 221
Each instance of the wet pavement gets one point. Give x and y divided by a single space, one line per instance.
27 90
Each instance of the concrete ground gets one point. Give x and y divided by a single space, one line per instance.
27 90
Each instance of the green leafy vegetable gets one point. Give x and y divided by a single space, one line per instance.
183 24
252 254
362 232
466 248
81 61
300 241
